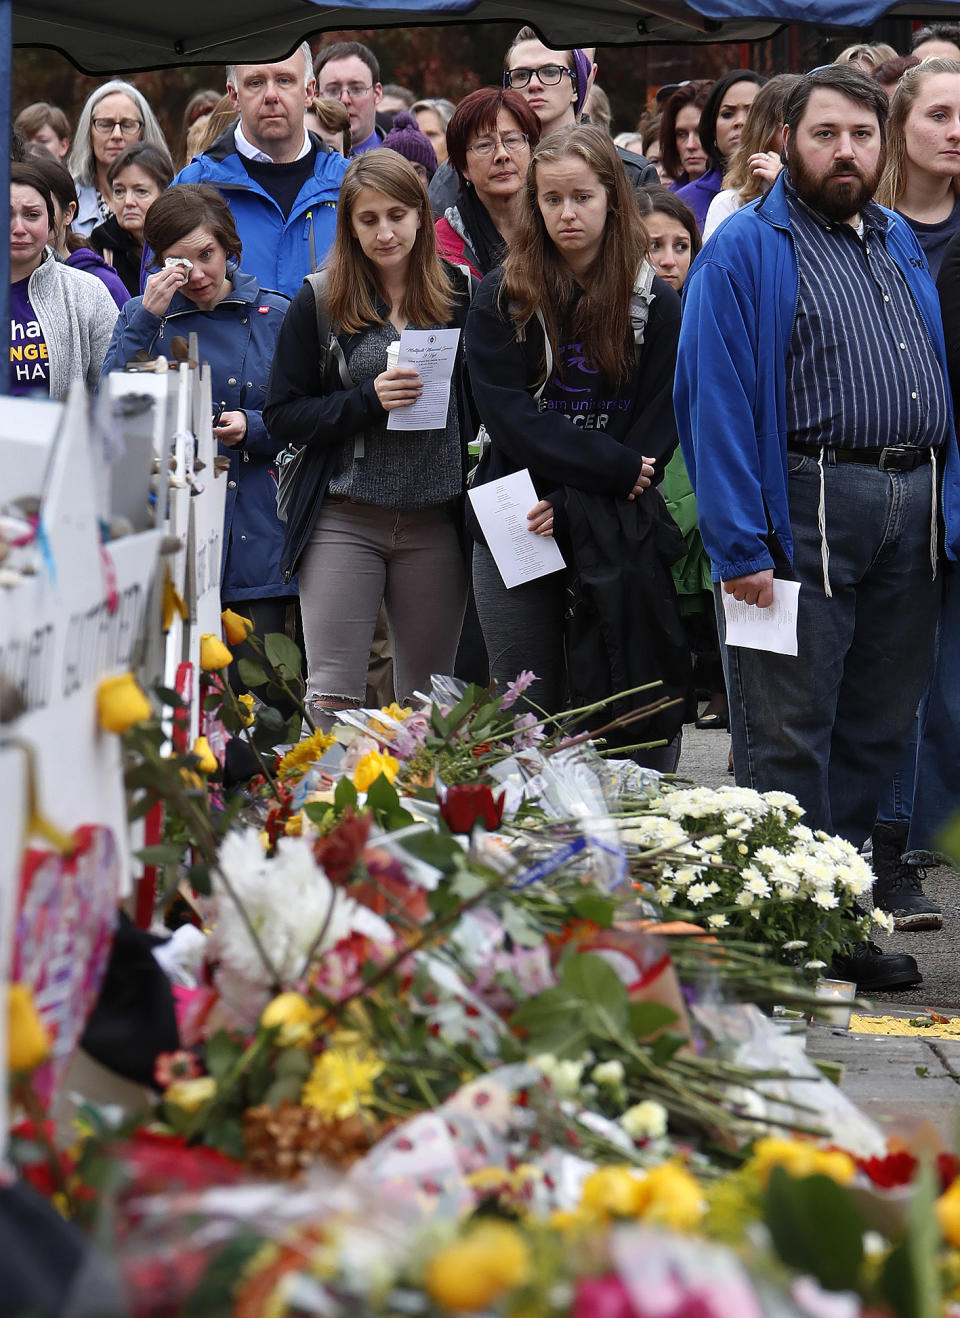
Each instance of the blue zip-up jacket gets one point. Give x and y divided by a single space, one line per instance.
739 306
237 338
279 252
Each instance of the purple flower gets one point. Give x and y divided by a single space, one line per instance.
527 733
516 688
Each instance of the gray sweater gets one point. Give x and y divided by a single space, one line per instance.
77 316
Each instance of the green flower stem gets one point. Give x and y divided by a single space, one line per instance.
228 692
227 1082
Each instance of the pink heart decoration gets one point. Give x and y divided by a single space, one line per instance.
63 935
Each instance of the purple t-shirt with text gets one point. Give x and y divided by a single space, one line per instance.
29 364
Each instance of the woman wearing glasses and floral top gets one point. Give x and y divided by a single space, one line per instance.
114 116
489 139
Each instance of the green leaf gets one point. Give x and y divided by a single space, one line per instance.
221 1276
551 1024
225 1133
520 927
142 806
598 910
296 1062
437 849
468 885
317 811
251 673
222 1054
816 1228
284 1088
283 654
647 1017
269 729
595 982
438 722
909 1282
212 701
170 697
665 1046
344 794
199 877
162 853
383 800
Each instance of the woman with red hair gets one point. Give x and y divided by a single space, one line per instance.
489 140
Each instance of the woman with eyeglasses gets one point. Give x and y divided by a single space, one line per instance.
571 350
489 140
114 116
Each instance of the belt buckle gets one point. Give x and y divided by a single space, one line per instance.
897 453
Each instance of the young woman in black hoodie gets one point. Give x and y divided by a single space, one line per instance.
571 350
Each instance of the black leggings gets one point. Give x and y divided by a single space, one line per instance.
523 628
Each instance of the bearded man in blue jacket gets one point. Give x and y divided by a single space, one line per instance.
280 182
816 421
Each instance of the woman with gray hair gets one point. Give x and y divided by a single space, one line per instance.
432 118
114 116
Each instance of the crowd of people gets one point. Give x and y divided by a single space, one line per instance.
722 343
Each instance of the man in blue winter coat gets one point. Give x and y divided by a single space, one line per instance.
815 418
280 182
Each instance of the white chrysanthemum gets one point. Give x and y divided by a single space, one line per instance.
757 886
767 856
697 893
882 919
710 844
717 920
794 945
686 875
827 901
784 801
288 901
646 1120
801 833
744 899
609 1073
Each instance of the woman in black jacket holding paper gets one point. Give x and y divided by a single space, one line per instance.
571 350
375 514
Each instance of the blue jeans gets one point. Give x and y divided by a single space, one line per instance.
831 723
937 793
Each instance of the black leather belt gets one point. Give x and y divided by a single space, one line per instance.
895 457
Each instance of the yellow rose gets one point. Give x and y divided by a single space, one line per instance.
214 655
669 1196
948 1214
208 762
236 628
371 766
612 1191
472 1273
247 702
295 1017
190 1095
28 1042
121 703
800 1158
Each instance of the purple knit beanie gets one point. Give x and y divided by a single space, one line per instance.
582 68
407 139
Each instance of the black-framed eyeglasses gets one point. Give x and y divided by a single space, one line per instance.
127 126
547 74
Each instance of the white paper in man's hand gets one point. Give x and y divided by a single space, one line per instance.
773 629
432 354
501 508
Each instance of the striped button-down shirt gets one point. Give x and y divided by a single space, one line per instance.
861 368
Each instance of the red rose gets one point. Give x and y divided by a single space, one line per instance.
469 804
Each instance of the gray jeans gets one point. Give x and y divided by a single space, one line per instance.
360 555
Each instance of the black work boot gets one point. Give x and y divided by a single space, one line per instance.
874 971
898 887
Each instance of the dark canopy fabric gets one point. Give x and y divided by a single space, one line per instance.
123 36
837 13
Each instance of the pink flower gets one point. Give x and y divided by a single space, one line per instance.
602 1297
192 1007
527 733
516 688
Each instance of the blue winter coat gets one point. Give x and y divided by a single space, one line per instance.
280 252
237 338
739 306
